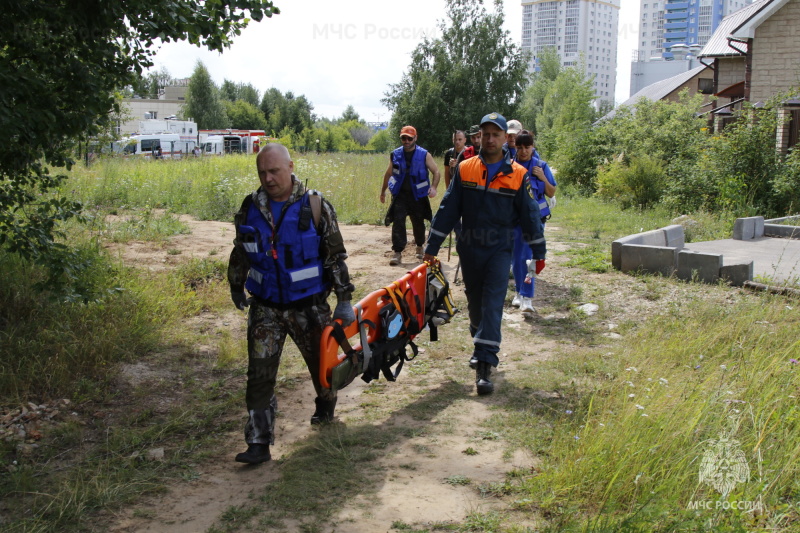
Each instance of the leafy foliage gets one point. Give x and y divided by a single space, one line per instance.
244 115
203 103
638 184
473 69
286 111
532 103
240 91
61 63
149 86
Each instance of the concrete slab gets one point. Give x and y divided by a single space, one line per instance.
653 259
775 259
699 266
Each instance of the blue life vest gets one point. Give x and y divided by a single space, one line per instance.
288 268
418 172
536 185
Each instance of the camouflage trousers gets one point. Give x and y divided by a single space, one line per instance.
267 328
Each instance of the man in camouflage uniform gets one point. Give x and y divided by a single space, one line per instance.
288 254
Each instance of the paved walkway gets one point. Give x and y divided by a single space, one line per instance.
773 258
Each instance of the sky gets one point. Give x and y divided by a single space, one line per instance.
348 52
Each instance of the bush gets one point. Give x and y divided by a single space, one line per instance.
637 184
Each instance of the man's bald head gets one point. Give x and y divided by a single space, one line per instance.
277 150
275 167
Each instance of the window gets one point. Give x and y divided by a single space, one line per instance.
705 85
149 145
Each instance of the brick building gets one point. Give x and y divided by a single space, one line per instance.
755 55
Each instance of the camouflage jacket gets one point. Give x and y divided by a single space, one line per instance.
331 249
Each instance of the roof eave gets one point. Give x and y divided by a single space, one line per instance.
748 28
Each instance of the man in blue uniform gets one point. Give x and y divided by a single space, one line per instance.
407 180
492 195
288 254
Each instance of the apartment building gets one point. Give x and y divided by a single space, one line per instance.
664 23
575 29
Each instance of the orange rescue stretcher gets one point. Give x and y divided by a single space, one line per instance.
367 325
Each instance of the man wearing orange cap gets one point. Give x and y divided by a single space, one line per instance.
407 180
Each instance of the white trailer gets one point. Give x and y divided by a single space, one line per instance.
156 146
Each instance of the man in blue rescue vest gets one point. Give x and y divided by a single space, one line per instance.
491 194
288 254
407 180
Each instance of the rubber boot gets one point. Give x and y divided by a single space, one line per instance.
323 414
482 372
255 454
259 433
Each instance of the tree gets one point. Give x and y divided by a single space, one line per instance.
62 64
203 103
350 114
249 94
228 91
473 69
244 115
282 111
567 110
548 66
150 85
239 91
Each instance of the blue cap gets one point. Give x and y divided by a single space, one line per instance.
497 119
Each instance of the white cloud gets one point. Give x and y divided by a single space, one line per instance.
335 53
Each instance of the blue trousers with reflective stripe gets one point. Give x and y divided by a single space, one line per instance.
519 267
485 283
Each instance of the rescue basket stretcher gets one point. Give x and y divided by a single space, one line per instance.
369 327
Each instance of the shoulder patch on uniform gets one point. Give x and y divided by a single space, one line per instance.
528 188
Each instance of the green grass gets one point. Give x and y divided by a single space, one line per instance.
604 466
212 188
623 445
593 221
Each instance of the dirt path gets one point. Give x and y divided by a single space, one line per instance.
418 478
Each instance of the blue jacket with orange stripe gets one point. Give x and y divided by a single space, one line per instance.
489 209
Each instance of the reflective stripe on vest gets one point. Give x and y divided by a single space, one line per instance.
292 270
418 172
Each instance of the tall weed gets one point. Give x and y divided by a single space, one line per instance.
47 345
212 188
634 446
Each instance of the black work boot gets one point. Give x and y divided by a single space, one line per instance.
259 433
482 372
255 454
324 411
473 362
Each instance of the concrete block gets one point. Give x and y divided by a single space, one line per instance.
744 229
653 259
650 238
699 266
737 274
673 236
759 231
616 254
780 230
